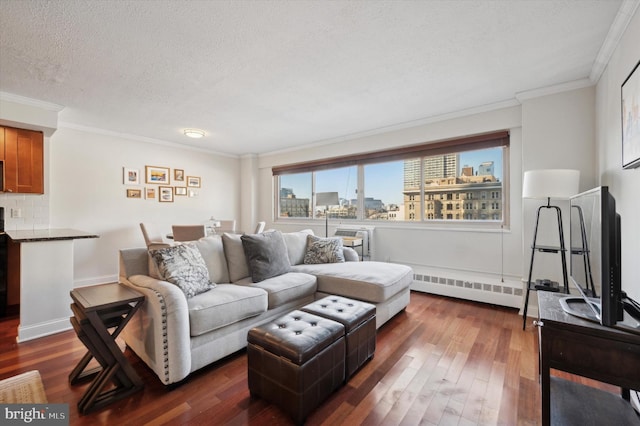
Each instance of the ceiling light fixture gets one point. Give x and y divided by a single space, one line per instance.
194 133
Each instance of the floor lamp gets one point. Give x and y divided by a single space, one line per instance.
327 199
557 184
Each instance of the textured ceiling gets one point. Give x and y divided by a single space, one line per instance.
262 76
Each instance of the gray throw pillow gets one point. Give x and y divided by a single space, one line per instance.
323 250
183 266
266 254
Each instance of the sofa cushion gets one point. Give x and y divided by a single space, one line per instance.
236 260
183 266
284 288
373 282
296 245
212 251
224 305
266 254
323 250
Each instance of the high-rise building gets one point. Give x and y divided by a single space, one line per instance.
486 169
441 166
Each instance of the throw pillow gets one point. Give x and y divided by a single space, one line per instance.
323 250
266 254
183 266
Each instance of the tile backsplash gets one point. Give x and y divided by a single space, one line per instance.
25 211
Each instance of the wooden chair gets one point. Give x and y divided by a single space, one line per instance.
188 232
151 236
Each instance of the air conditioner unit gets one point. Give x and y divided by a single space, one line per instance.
351 236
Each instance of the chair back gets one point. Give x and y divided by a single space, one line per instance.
188 232
151 236
227 226
260 227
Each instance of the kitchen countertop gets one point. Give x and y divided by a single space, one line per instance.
36 235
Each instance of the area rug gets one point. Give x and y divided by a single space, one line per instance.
24 388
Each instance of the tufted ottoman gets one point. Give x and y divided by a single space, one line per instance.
296 361
359 320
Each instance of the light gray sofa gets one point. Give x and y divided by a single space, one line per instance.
175 336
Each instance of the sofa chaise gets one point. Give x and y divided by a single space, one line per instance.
176 335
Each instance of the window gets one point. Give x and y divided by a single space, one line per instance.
416 183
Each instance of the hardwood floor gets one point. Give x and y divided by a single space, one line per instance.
441 362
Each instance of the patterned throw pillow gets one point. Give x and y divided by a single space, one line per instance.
183 266
323 250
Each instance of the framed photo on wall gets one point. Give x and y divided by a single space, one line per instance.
180 190
631 119
178 175
134 193
158 175
150 193
130 176
193 181
166 194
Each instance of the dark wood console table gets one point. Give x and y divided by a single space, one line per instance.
587 349
96 310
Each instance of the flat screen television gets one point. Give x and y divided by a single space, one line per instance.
595 253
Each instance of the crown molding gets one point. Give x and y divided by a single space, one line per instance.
616 31
406 125
98 131
10 97
552 90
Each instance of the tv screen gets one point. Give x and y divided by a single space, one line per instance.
595 253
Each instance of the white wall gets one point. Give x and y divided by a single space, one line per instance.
623 184
558 132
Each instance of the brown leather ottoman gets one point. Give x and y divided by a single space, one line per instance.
359 320
296 362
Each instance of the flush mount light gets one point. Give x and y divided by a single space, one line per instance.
194 133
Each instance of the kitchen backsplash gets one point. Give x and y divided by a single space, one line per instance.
23 211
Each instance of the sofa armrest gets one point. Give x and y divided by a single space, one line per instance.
159 332
350 255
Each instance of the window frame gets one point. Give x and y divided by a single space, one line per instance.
457 145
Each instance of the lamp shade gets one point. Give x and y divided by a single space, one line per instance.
559 184
327 199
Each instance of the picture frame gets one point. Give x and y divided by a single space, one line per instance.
178 175
165 194
134 193
150 193
180 190
193 181
630 104
159 175
130 176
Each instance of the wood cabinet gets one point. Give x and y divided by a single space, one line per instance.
23 156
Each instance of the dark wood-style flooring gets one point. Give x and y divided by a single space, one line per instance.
441 362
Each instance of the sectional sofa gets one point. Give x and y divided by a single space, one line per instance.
176 335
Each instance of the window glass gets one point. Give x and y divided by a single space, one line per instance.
469 175
295 195
384 192
344 181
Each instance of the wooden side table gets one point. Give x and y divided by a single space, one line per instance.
96 310
584 348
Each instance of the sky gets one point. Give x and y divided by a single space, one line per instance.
383 181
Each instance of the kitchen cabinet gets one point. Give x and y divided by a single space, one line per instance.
23 160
